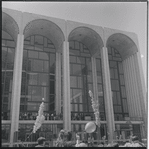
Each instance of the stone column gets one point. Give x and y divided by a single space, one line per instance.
58 83
16 87
107 94
66 87
142 92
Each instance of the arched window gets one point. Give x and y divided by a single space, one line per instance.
38 77
8 53
80 81
117 85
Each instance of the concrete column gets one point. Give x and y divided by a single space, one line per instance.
58 83
107 94
66 87
16 87
141 90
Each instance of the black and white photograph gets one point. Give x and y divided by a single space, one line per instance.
74 74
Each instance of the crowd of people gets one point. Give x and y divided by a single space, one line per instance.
65 140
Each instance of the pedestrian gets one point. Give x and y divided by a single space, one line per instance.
41 142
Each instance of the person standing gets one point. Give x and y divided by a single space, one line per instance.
41 142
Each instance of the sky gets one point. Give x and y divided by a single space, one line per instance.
125 16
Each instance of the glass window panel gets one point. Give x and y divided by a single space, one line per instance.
76 69
10 55
123 92
114 98
71 69
115 85
77 92
109 51
32 54
38 66
33 78
79 61
118 98
82 59
125 105
52 87
26 42
100 89
38 47
73 81
120 66
36 91
72 59
29 90
89 64
112 73
115 73
90 87
46 66
45 93
76 45
99 79
75 52
112 64
32 40
52 59
43 56
10 43
3 42
79 82
28 47
122 80
71 45
39 39
45 42
33 106
51 46
98 65
43 79
4 54
89 78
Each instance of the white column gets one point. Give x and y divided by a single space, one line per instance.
66 87
107 94
16 87
141 90
128 87
58 83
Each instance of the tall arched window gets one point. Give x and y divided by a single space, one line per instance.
80 81
8 53
38 77
117 85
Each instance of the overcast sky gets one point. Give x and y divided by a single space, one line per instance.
125 16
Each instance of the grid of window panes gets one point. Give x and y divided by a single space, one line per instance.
80 81
8 53
5 133
100 89
117 85
38 77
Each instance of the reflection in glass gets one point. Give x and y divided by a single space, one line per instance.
8 53
117 85
38 77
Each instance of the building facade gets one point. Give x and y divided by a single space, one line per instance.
60 61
